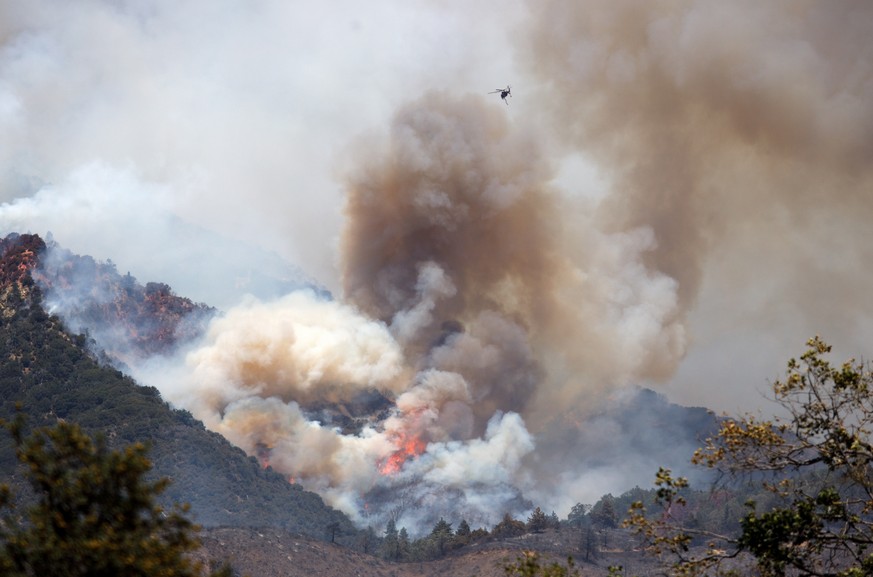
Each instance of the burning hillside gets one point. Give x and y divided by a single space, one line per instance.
488 302
336 405
132 322
455 285
465 323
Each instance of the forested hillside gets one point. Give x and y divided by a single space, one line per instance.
50 375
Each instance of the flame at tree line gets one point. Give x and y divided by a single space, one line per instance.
408 446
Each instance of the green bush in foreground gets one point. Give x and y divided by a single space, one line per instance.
94 513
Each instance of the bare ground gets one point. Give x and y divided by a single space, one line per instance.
272 553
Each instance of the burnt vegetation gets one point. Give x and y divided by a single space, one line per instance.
138 320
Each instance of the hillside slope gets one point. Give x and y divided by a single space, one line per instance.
272 553
51 375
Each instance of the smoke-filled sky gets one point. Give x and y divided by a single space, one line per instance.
678 194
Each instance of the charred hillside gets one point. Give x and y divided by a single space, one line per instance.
51 375
138 321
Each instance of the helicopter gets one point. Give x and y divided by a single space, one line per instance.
504 92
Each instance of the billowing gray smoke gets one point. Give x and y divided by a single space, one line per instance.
710 116
486 295
461 302
453 220
741 135
449 241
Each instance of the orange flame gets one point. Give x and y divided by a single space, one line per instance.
407 446
262 452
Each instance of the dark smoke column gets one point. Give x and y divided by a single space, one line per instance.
449 240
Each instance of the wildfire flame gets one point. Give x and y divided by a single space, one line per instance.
408 446
263 455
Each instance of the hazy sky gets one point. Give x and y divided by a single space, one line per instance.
711 163
231 114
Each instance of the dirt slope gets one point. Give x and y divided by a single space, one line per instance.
266 552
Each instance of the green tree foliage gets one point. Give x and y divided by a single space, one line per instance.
439 542
441 538
814 464
368 541
538 521
95 513
331 531
590 542
403 544
553 522
508 527
463 534
390 547
603 514
578 516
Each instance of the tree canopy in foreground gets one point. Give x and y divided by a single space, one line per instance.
94 512
815 460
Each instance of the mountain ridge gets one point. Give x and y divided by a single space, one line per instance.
52 374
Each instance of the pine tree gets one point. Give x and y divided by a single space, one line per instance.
368 540
403 544
463 534
390 548
579 515
94 515
603 514
554 522
537 522
441 536
508 527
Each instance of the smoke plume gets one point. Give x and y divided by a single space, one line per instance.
455 194
740 135
678 194
462 305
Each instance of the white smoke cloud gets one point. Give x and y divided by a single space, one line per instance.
340 467
493 460
262 368
93 196
114 213
478 480
432 285
298 348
